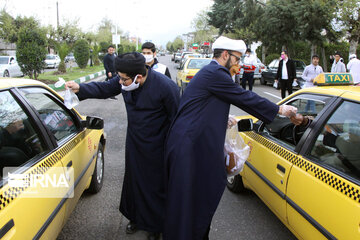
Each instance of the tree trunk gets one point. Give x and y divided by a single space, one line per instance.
353 46
263 54
313 50
323 56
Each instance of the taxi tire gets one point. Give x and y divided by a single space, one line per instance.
237 185
96 186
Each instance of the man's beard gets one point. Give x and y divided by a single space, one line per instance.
228 64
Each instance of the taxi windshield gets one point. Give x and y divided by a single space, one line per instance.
198 63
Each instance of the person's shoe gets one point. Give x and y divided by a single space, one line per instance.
153 236
131 228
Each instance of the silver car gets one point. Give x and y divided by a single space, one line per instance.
9 67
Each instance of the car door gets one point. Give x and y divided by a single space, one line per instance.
324 185
25 158
273 152
76 145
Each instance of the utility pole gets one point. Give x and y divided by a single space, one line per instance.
57 13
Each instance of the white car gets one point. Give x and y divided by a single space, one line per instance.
52 61
9 67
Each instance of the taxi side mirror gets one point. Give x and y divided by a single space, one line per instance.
93 123
245 125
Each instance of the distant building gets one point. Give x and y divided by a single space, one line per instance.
7 48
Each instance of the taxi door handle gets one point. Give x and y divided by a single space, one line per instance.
69 164
6 228
281 168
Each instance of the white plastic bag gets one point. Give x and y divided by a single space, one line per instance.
70 98
236 152
275 85
294 83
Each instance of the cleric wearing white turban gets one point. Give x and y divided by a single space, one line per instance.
194 150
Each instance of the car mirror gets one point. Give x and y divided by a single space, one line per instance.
93 123
245 125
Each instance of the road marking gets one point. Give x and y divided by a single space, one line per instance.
273 95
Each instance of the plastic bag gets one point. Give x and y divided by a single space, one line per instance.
70 98
275 85
236 152
294 84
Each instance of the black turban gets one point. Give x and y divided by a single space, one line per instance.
130 63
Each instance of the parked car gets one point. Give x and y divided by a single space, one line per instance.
69 58
41 139
309 176
188 70
177 57
9 67
173 57
52 61
269 73
183 54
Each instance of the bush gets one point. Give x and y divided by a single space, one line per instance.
31 51
82 53
271 57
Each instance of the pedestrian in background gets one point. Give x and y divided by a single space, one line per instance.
354 67
286 74
149 51
338 66
194 151
109 61
151 102
249 65
310 73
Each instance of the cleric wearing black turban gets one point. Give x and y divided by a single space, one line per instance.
151 103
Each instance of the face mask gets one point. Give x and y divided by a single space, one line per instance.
283 56
132 86
149 58
247 55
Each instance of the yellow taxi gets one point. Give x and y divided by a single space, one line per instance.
309 178
49 155
188 69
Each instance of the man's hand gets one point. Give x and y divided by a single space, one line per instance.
234 70
109 74
287 111
73 86
297 119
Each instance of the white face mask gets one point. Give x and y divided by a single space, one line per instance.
149 58
132 86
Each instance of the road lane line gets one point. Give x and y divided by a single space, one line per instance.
273 95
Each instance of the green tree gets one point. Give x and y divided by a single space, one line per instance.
63 50
82 52
349 18
31 51
178 43
9 26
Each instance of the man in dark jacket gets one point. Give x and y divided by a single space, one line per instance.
109 61
151 101
286 74
194 151
149 51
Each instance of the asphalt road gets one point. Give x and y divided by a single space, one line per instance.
239 216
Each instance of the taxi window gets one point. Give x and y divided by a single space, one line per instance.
19 141
198 63
338 144
282 128
55 117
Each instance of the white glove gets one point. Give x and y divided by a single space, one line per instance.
287 111
232 121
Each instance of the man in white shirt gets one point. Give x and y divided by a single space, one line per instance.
310 72
338 66
249 65
354 67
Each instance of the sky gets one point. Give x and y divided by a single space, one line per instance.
159 21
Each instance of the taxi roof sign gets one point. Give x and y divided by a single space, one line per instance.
324 79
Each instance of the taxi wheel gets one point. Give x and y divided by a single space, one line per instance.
98 175
235 184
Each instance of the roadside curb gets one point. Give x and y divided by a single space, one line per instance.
79 80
